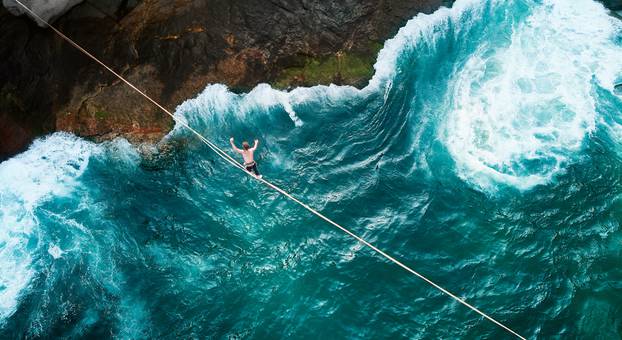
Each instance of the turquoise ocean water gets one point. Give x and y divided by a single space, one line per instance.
486 153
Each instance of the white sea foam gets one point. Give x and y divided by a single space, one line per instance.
216 103
55 251
423 28
520 112
50 167
263 96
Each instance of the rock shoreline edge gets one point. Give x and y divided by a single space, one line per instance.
173 49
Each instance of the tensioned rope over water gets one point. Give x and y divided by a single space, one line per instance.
237 165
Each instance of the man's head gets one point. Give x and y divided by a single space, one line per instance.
245 145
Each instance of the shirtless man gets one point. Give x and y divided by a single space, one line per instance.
247 153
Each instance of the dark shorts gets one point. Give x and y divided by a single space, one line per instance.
252 167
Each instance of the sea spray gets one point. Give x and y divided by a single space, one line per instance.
519 111
48 170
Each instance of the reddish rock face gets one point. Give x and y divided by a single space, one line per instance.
13 137
172 49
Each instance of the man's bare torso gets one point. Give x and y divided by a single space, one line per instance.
248 156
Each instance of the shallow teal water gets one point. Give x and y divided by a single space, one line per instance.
485 153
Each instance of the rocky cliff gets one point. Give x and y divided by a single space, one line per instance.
172 49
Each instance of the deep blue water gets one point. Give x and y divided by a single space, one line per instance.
485 153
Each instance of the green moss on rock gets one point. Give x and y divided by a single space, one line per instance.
101 114
340 68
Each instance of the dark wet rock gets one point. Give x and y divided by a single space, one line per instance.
174 48
615 5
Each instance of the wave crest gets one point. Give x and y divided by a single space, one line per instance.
49 168
519 112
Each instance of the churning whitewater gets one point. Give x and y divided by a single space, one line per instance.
485 153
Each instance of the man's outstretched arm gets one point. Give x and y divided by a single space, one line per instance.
233 146
256 143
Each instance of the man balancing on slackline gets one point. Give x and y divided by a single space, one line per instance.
248 155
